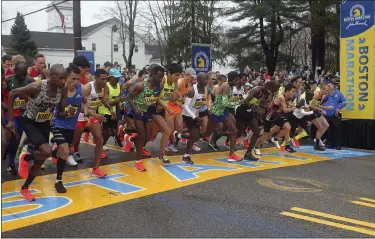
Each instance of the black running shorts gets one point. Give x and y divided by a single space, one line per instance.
278 122
110 123
62 136
313 116
37 132
190 122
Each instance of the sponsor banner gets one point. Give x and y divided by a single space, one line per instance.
357 63
201 57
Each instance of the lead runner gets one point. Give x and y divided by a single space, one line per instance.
43 96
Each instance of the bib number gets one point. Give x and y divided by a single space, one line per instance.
43 116
19 104
94 104
151 100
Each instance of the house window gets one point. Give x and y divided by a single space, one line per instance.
136 48
94 47
49 66
115 47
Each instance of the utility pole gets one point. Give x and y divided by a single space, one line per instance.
193 38
77 26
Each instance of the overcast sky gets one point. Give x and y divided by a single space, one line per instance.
38 21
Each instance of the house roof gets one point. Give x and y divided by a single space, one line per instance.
88 29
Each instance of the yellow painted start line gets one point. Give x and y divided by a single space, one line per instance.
125 183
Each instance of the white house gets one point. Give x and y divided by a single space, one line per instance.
58 47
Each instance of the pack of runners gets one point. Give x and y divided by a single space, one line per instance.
49 112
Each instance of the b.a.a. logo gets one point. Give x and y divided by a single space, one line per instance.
202 61
357 16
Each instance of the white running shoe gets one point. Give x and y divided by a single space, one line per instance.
70 161
196 148
257 152
170 147
105 148
275 142
320 142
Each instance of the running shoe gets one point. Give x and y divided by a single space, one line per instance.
127 145
227 145
257 152
320 143
23 166
164 159
12 169
139 166
250 157
59 186
70 161
275 142
213 146
77 157
196 148
103 155
86 137
238 141
25 193
295 142
93 141
145 153
170 148
121 132
234 158
152 139
105 148
187 160
184 140
289 149
318 147
98 173
245 143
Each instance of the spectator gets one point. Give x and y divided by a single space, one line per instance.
337 101
107 66
7 64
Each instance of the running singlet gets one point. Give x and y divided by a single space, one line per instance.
83 78
76 102
147 98
237 95
273 112
167 92
114 93
34 73
41 108
197 102
19 102
220 105
93 99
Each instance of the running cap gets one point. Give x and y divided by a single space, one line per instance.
114 73
191 72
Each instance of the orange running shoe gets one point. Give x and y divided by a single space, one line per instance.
25 193
128 144
23 167
145 153
245 143
295 142
282 148
121 132
234 158
139 166
103 155
98 173
86 137
237 141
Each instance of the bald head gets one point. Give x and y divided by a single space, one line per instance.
202 79
273 86
58 75
20 70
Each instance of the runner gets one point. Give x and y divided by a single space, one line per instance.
93 91
18 80
317 118
7 64
112 92
43 96
192 115
219 115
65 122
39 66
250 115
276 119
143 100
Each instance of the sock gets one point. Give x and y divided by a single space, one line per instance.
71 149
29 158
60 168
303 134
186 155
28 181
138 161
161 154
321 142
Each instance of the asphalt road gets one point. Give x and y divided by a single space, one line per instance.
250 204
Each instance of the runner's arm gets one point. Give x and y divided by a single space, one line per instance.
62 104
283 104
139 87
314 101
105 100
188 99
30 89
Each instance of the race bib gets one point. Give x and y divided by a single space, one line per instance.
198 104
94 104
43 116
75 110
19 103
151 100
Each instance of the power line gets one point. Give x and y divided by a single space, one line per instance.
36 11
22 6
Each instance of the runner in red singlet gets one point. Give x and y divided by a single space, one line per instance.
39 66
7 64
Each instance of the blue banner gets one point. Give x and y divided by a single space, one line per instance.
90 57
201 57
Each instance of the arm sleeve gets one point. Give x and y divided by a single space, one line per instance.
187 109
